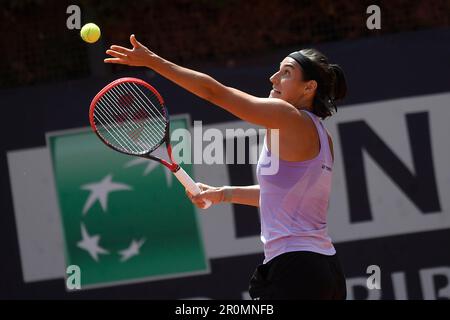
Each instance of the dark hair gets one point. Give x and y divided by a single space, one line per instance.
331 83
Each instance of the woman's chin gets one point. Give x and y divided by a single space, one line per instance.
274 94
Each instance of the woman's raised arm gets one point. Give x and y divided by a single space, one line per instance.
266 112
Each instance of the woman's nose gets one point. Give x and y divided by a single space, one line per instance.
273 78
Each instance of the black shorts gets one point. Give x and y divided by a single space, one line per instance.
299 275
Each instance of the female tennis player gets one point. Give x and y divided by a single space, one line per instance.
300 259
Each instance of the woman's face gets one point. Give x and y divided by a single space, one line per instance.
288 84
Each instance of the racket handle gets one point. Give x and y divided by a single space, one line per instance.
190 185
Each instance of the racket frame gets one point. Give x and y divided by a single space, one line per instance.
181 175
174 167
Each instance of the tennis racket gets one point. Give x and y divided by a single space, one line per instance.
130 117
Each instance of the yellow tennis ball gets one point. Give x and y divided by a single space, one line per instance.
90 32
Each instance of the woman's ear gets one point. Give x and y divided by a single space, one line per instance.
311 86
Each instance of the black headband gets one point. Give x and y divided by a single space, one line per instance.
306 64
311 72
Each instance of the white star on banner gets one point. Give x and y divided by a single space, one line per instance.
100 191
132 250
90 244
151 165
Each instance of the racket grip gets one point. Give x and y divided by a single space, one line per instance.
190 185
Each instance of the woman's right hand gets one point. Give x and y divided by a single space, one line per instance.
213 194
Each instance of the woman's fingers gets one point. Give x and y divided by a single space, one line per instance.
116 54
199 203
195 200
207 193
114 60
203 186
120 49
189 195
136 56
134 42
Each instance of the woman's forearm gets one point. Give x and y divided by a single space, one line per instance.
248 195
196 82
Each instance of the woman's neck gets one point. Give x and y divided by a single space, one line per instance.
305 107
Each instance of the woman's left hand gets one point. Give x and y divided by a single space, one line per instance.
137 56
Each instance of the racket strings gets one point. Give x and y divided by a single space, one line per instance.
155 111
107 128
128 118
159 130
114 110
159 116
119 132
120 138
133 124
162 124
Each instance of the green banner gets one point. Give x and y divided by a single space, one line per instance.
125 219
